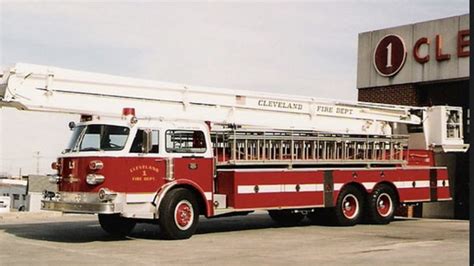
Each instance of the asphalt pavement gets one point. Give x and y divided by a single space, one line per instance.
55 239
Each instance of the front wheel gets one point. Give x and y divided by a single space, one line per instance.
381 205
178 214
116 225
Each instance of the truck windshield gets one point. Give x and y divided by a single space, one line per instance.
98 138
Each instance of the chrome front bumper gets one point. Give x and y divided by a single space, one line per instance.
80 203
105 208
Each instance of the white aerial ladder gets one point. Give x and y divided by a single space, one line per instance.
52 89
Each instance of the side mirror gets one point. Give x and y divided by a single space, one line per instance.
72 125
147 144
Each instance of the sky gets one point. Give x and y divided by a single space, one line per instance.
300 48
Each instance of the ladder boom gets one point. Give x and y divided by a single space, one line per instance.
51 89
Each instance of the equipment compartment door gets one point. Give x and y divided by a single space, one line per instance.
270 189
197 170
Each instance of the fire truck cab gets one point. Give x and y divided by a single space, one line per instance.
123 168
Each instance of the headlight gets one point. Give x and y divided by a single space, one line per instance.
94 179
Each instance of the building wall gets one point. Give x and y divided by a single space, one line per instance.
438 81
33 202
400 94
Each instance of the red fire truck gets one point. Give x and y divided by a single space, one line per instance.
146 151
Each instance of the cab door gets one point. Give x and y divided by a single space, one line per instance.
188 149
145 169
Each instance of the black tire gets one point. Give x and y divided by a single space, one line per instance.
349 207
286 217
381 205
173 227
116 225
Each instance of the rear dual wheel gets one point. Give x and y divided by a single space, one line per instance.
349 206
347 212
381 204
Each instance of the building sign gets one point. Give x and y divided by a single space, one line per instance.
426 51
390 54
461 51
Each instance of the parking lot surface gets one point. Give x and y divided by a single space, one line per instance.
254 239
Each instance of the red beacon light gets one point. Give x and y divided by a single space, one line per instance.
129 113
